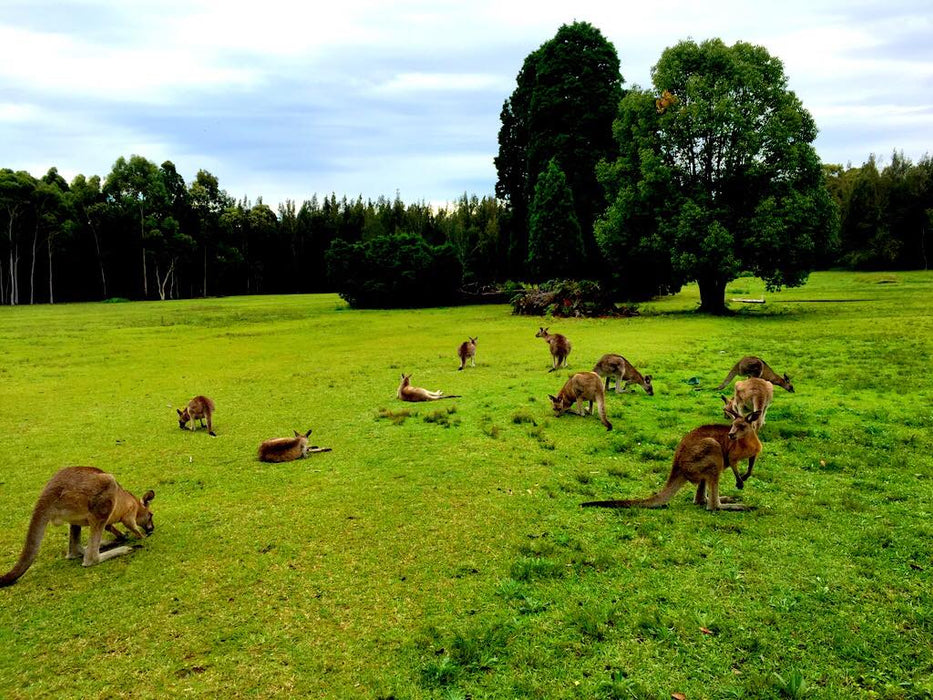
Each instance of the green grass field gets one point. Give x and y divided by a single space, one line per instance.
440 551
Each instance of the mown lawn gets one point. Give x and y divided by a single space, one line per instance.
440 551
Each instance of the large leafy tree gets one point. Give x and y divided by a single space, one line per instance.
562 107
555 246
716 175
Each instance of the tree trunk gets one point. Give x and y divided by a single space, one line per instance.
205 271
100 260
51 291
32 268
142 246
712 296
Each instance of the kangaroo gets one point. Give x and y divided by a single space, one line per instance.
83 497
559 345
751 395
288 448
751 366
582 386
407 392
200 408
700 458
467 351
617 367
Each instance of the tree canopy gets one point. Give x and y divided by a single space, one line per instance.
562 107
716 175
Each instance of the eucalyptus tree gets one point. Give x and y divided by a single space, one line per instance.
555 243
89 206
137 185
716 175
208 202
16 190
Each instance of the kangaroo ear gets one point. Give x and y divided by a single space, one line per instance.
648 379
724 399
552 398
178 410
753 416
147 499
297 434
308 433
786 378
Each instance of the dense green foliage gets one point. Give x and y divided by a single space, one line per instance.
555 246
886 215
719 176
440 551
562 108
394 271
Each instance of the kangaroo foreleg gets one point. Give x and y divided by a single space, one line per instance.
751 463
116 533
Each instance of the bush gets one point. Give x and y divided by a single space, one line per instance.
568 298
402 270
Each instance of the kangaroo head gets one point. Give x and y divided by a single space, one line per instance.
406 379
649 387
729 409
183 417
542 332
143 514
558 404
299 435
787 384
473 340
743 425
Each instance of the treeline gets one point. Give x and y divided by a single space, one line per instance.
885 214
142 232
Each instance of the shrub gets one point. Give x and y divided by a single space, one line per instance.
402 270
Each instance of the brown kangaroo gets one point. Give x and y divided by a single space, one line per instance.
617 367
582 386
407 392
467 351
84 497
751 366
200 408
559 345
751 395
288 448
700 458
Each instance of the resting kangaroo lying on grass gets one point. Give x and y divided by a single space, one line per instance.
286 449
407 392
700 458
84 497
751 366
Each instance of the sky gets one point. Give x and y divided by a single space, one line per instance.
285 100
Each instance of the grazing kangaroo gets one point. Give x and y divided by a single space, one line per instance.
467 351
200 408
288 448
701 457
83 497
559 345
407 392
752 395
582 386
751 366
617 367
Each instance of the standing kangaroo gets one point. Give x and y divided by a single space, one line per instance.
617 367
200 408
751 366
559 345
752 395
467 351
582 386
407 392
84 497
288 448
701 457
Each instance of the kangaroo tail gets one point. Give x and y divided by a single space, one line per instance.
450 396
661 498
34 536
729 378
